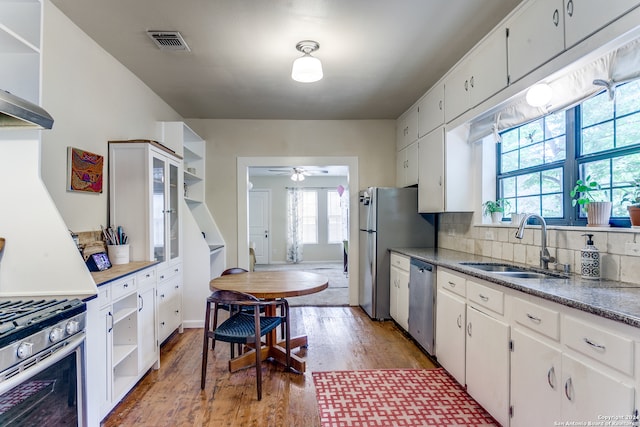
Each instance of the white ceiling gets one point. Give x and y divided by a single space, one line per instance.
378 56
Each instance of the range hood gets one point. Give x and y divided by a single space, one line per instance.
19 113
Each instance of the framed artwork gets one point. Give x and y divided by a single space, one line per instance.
84 171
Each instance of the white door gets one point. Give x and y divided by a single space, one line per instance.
259 210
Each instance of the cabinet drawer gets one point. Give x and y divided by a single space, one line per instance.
104 295
168 272
486 297
537 318
452 282
146 278
400 261
602 345
123 287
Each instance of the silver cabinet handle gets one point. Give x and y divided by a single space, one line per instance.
556 17
568 385
533 318
551 378
459 321
141 302
471 82
594 345
452 284
440 105
466 85
111 326
570 8
469 328
483 298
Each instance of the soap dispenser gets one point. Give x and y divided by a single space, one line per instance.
590 260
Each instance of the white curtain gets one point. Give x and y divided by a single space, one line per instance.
619 66
294 225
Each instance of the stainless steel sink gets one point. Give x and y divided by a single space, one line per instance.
513 271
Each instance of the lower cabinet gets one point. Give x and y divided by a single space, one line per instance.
399 292
451 318
169 301
487 363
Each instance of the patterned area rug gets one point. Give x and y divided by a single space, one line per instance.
396 397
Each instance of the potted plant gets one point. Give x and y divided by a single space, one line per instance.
495 209
598 212
633 199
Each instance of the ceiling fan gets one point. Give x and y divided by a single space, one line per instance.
299 173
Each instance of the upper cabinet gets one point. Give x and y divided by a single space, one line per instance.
407 128
431 110
584 17
407 166
20 48
535 35
478 76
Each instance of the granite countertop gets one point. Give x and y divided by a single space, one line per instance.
613 300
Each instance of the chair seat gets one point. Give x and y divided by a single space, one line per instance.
240 328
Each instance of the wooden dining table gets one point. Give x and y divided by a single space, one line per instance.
271 285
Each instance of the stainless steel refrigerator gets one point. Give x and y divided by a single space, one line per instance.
388 218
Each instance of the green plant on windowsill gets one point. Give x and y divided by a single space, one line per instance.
581 193
632 198
497 206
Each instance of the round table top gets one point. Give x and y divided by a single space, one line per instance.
272 284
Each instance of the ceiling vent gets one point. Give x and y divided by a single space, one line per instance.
169 40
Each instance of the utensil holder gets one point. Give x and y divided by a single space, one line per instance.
118 254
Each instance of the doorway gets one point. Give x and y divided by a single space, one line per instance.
243 185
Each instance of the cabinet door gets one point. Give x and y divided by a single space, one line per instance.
174 191
431 110
431 172
536 34
403 299
584 17
147 335
401 165
393 292
456 91
535 382
159 205
412 162
588 394
487 363
489 67
450 334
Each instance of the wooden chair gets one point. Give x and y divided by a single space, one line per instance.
226 307
245 328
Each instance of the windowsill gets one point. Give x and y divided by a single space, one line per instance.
566 227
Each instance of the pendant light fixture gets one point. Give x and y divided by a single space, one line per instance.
307 69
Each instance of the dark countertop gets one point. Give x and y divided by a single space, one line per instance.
613 300
120 270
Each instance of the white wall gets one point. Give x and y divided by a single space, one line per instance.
371 141
93 99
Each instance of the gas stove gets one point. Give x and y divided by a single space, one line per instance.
34 329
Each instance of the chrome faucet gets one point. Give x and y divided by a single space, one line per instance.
545 257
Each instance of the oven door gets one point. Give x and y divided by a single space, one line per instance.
49 389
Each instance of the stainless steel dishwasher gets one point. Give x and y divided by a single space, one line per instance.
422 304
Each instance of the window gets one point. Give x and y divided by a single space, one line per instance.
334 218
539 162
309 209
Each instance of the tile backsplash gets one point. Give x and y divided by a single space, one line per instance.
619 247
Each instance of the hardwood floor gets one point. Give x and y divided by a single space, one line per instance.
340 338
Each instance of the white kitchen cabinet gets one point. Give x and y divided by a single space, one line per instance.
478 76
407 166
444 173
399 292
535 36
148 351
124 336
589 393
169 295
487 363
584 17
407 128
145 198
431 110
451 318
535 381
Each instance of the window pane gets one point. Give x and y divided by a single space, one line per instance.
510 140
628 98
599 172
528 184
531 156
555 149
628 130
508 187
552 181
531 133
597 109
529 204
555 124
552 206
625 169
510 161
309 211
334 218
597 138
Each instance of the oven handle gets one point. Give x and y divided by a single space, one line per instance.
71 345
